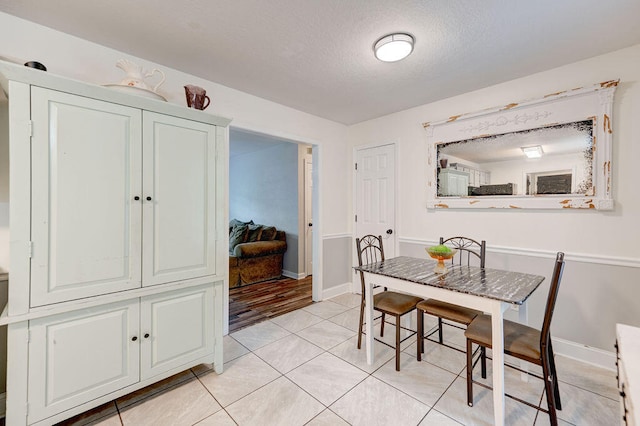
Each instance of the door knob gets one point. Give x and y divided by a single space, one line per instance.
389 231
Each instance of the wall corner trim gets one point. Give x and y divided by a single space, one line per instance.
294 275
337 290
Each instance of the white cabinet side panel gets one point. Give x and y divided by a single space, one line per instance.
86 173
19 192
179 199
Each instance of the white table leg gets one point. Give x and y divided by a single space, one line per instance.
523 318
368 297
497 353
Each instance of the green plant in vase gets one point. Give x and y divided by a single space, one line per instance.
441 253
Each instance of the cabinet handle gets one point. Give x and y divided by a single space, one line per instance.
136 198
146 335
148 198
134 338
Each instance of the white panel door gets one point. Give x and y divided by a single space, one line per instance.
176 328
308 214
375 195
179 199
79 356
86 169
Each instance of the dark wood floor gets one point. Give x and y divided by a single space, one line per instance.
254 303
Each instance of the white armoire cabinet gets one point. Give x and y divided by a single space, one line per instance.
453 182
118 243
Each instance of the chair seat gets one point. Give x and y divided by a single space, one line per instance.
394 303
520 340
448 311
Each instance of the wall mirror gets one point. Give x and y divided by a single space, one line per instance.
549 153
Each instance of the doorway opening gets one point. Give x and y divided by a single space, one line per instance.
271 182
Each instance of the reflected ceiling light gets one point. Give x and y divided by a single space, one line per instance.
532 151
393 47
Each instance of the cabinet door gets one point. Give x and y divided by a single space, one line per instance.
86 168
179 197
78 356
461 183
176 328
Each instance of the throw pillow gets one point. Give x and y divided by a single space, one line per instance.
254 234
268 233
236 222
238 235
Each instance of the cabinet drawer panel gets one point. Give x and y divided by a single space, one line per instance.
179 179
180 329
78 356
86 170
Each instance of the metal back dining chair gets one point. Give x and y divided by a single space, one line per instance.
370 250
469 251
525 343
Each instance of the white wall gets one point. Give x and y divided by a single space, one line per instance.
263 187
607 241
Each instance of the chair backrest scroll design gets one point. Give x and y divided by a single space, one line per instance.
370 250
466 248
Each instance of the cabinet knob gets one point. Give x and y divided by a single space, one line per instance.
136 198
148 198
146 335
134 338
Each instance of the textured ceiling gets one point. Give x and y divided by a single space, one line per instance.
316 55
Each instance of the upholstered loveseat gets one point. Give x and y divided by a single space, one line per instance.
256 253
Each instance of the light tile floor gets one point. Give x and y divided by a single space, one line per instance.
304 368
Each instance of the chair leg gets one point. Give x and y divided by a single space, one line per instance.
440 330
361 321
397 343
548 390
382 326
483 361
552 366
469 374
420 333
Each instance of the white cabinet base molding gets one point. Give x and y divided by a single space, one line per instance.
118 243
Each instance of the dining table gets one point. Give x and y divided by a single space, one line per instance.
492 291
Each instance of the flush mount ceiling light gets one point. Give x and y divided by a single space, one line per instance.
532 151
393 47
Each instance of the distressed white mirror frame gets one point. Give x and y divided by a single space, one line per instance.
588 103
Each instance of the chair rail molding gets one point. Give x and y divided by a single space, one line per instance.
629 262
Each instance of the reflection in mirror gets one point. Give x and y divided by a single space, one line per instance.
548 160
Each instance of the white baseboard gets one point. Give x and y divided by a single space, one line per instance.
336 291
588 354
294 275
3 404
